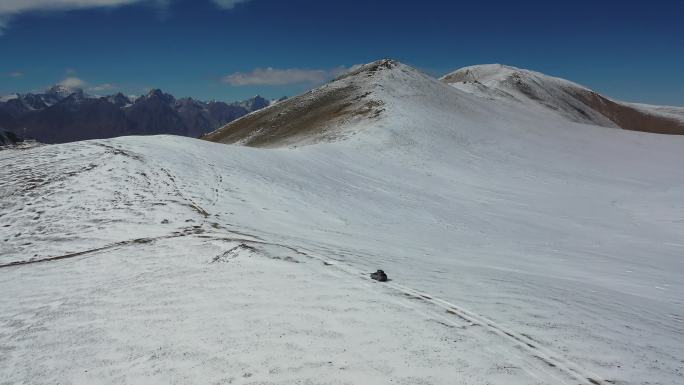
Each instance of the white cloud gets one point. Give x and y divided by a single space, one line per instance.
73 82
228 4
12 8
4 20
278 77
102 87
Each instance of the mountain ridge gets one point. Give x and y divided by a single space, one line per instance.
568 99
384 90
64 114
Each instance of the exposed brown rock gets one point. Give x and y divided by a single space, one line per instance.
630 118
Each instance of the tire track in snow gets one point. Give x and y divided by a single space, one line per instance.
551 359
548 357
190 203
111 246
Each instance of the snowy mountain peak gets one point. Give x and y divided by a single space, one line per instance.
330 112
63 91
509 79
371 68
160 95
7 98
561 97
119 99
254 103
155 92
490 72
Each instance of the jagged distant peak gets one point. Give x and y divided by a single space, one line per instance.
9 97
157 93
118 99
252 104
63 91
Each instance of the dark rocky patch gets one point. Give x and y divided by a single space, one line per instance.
379 276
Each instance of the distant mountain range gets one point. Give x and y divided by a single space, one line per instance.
62 114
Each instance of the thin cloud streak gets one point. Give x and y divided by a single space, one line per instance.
12 8
228 4
103 87
15 7
280 77
73 82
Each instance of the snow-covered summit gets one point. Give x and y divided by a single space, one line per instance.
119 99
253 104
157 94
496 75
385 93
63 91
9 97
563 97
338 110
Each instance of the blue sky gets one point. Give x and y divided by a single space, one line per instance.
229 50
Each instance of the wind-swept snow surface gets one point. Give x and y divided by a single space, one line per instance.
522 249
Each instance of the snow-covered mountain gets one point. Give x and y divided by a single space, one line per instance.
568 99
64 114
253 104
120 100
59 92
367 93
7 98
522 247
321 114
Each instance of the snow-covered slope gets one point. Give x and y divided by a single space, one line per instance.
523 248
673 112
570 100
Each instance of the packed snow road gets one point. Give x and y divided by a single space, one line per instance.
206 263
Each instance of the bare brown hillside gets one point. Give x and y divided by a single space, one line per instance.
630 118
313 116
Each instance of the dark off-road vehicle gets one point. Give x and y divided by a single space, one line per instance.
379 276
